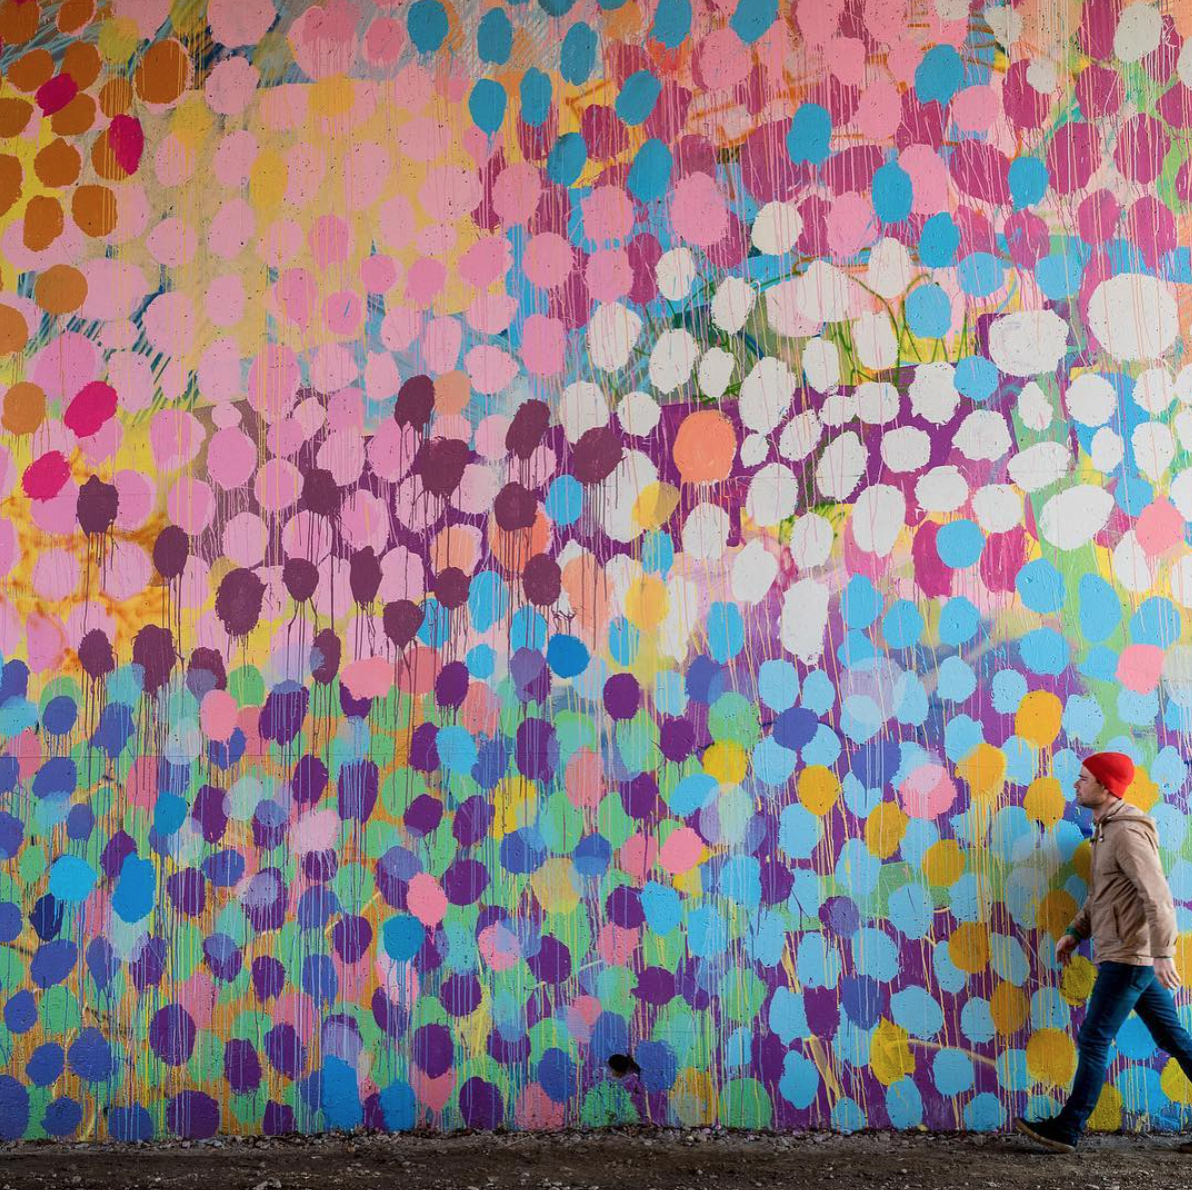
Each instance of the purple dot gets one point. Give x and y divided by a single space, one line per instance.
268 977
279 1119
193 1115
622 695
624 908
351 937
552 963
451 686
676 739
465 881
460 994
434 1051
285 1050
242 1067
481 1105
423 815
172 1034
640 797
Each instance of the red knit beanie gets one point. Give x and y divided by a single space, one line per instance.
1114 770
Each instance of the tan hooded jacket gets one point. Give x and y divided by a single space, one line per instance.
1129 912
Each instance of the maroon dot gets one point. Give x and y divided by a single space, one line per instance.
596 455
325 653
526 429
170 552
542 580
364 575
451 685
452 587
206 670
401 620
95 654
415 402
441 463
97 506
621 696
515 507
238 601
301 578
153 651
320 493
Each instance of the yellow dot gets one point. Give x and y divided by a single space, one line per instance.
654 505
890 1056
818 788
1107 1115
1082 860
943 864
1038 717
118 38
884 829
1175 1083
693 1097
1076 984
1183 958
1009 1008
727 762
332 96
554 885
984 769
267 181
646 602
1051 1057
1055 913
968 948
1143 792
1044 801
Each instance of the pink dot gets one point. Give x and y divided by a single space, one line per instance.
285 438
608 274
396 221
219 371
342 312
280 243
239 22
383 42
722 61
450 192
490 369
232 229
277 485
1159 527
548 260
217 715
1140 667
273 381
233 158
55 574
224 301
516 193
544 345
136 492
379 273
485 261
168 323
175 437
9 547
441 343
231 458
851 225
608 214
244 539
365 521
975 108
681 851
424 280
330 240
191 504
65 364
230 85
698 211
927 792
128 571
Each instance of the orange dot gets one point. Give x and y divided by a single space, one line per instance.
61 289
14 115
30 70
452 392
19 21
164 73
968 947
74 14
705 447
76 117
94 210
57 164
115 97
43 222
13 330
103 159
81 61
24 408
10 181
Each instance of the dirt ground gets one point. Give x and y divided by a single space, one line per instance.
698 1159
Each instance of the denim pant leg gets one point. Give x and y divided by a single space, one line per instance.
1156 1008
1115 993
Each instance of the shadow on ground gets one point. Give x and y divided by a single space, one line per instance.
700 1159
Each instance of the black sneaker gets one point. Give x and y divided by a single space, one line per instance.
1048 1133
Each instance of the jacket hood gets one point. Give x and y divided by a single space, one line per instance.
1124 812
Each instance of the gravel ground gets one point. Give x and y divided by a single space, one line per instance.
698 1159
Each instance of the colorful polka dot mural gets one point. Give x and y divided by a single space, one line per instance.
538 533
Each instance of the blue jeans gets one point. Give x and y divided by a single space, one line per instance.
1120 987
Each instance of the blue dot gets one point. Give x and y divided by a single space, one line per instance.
809 135
672 22
427 23
60 714
486 105
980 274
1040 586
959 544
1044 651
650 173
939 76
778 684
976 378
567 159
638 96
902 625
959 621
579 54
1028 181
494 37
403 937
565 500
567 656
480 661
726 631
928 312
535 93
893 193
939 241
752 18
862 602
952 1071
45 1064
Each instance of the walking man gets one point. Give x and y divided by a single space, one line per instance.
1130 916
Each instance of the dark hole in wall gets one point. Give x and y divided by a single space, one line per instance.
622 1065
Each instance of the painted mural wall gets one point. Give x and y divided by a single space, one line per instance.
544 531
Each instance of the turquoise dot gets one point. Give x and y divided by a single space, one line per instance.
567 655
565 500
752 18
818 692
893 193
875 954
456 749
427 24
809 135
956 680
650 173
480 661
1028 181
799 831
904 1104
862 602
976 1021
527 630
959 621
488 600
938 241
976 378
436 624
939 76
980 274
800 1081
623 641
959 544
726 631
984 1113
579 54
778 684
486 105
567 159
911 911
672 22
556 8
402 937
1156 622
1059 275
71 879
928 312
535 95
917 1011
494 37
1040 586
773 765
658 553
902 625
637 98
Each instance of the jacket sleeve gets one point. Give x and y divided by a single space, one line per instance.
1081 927
1138 857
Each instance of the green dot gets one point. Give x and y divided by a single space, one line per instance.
744 1103
246 686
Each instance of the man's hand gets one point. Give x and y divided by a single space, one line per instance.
1065 948
1166 974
